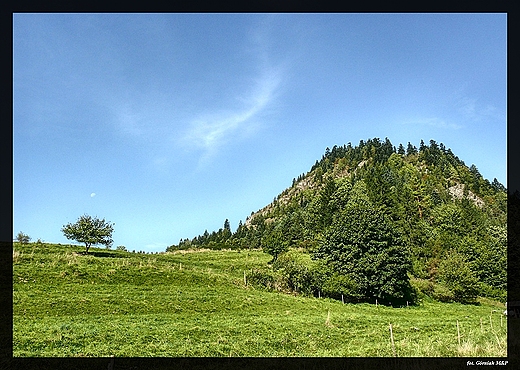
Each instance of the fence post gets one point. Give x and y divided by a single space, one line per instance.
458 332
392 339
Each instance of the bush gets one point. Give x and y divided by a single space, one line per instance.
217 246
422 287
296 271
489 291
23 238
443 294
456 275
419 268
262 278
299 273
340 286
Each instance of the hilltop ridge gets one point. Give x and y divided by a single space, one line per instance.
442 209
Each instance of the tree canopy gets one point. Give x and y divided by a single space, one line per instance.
363 244
89 230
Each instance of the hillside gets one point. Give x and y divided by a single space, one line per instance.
446 223
208 303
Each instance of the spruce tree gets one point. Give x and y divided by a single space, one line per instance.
411 149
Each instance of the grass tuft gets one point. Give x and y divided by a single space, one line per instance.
16 256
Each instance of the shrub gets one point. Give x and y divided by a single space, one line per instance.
337 286
422 287
299 273
455 274
262 278
489 291
296 271
419 268
442 293
23 238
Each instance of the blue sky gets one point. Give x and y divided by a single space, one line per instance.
167 124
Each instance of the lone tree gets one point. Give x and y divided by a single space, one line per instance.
89 230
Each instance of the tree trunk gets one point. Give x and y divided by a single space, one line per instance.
87 246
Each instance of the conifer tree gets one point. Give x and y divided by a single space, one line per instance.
422 146
227 226
411 149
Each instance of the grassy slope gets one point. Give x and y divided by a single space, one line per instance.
196 304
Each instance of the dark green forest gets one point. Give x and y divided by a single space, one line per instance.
375 222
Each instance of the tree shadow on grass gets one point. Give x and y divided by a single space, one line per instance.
102 254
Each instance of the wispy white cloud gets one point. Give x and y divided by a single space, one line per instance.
472 110
210 131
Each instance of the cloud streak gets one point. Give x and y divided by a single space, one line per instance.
210 131
472 110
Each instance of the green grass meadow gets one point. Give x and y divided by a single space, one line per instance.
66 304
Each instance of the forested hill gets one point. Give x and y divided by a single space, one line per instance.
444 213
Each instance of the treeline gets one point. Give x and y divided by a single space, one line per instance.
221 239
388 223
